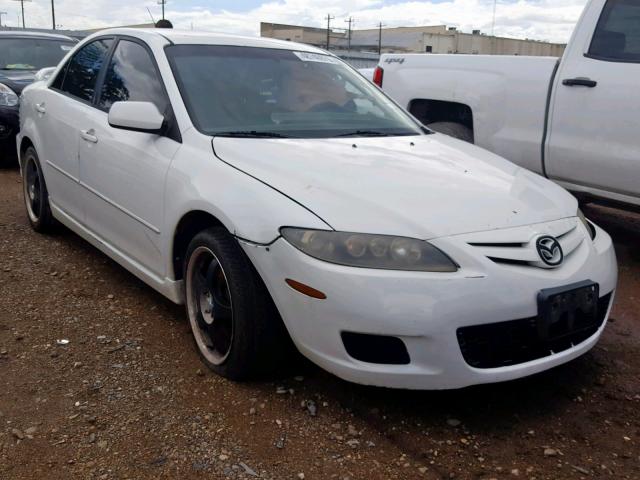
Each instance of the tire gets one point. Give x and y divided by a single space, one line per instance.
235 325
455 130
36 195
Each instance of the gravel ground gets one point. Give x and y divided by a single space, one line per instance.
99 379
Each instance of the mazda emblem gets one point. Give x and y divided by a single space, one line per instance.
549 250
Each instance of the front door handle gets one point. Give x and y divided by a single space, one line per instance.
40 108
89 135
579 82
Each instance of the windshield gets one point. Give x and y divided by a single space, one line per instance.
32 53
247 91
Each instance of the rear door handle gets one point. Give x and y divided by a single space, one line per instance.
579 82
89 135
40 108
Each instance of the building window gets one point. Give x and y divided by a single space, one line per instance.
428 49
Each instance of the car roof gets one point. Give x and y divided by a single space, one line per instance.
28 34
187 37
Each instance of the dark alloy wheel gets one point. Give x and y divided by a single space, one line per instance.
235 324
36 196
209 305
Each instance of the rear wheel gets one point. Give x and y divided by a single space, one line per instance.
234 323
453 129
36 196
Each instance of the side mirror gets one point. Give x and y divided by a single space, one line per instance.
44 73
136 116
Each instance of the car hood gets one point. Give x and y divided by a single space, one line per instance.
16 80
424 186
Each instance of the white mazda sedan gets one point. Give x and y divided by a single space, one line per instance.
280 195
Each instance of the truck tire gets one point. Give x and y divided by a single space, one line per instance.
455 130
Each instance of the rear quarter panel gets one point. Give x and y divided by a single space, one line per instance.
507 96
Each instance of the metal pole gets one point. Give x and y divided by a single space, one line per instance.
329 18
380 25
162 2
349 21
22 8
53 14
493 23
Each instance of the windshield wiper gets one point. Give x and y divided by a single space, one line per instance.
364 133
251 134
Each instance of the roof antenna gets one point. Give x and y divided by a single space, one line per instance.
152 19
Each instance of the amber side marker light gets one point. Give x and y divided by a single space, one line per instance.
305 289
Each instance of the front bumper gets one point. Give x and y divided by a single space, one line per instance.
9 127
424 310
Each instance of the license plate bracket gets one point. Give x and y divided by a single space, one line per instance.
565 310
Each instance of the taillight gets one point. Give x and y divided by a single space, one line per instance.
378 73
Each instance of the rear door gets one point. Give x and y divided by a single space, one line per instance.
59 112
594 122
124 171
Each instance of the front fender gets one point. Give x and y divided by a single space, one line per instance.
247 207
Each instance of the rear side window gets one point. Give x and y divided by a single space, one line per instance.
81 73
132 75
617 35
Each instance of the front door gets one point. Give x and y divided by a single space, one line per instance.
594 122
124 172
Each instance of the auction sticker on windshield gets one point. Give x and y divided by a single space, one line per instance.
316 57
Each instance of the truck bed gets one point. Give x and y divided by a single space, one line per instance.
507 95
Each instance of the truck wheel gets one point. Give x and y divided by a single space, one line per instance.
236 327
455 130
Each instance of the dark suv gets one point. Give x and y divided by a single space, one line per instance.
22 54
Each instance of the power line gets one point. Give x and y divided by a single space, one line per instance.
328 18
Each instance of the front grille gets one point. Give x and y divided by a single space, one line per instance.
502 344
523 252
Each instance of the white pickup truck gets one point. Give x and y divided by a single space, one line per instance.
575 120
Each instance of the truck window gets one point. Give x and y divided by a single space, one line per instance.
617 35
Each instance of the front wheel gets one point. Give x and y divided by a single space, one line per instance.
36 196
234 323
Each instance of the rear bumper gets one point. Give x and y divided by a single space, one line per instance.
424 310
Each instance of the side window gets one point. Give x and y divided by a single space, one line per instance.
131 75
617 35
81 73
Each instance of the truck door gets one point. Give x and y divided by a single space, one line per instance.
594 128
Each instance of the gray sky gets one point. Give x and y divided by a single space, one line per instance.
551 20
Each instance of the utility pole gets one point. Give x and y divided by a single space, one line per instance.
53 14
350 21
163 3
380 25
329 18
22 5
2 13
493 22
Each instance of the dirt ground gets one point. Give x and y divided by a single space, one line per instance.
127 397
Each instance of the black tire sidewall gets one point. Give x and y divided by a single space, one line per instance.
45 219
250 307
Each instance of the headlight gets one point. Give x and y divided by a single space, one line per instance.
370 251
8 97
590 228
